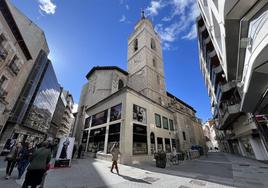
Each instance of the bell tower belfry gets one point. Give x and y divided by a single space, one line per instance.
145 62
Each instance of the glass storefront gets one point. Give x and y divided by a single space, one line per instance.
139 139
116 112
87 121
167 145
139 114
40 113
159 144
96 139
99 118
114 135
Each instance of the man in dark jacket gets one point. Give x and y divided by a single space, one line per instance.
38 166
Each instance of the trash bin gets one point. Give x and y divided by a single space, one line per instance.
161 159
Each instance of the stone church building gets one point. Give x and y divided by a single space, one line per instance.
133 107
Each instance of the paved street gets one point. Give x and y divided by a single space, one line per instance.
216 170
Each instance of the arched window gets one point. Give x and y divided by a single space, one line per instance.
153 44
120 84
136 45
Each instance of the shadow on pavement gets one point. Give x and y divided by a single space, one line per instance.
133 179
215 168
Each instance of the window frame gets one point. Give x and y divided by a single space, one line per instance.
165 118
158 115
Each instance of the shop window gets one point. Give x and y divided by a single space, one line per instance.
153 46
165 123
135 45
152 141
96 139
120 84
139 139
99 118
87 123
157 120
116 112
114 135
173 143
139 114
167 145
171 125
184 136
159 144
84 136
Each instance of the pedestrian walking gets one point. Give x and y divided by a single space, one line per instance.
11 159
25 155
115 152
38 166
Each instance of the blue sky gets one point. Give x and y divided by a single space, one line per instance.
86 33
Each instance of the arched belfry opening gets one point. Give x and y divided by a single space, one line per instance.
120 84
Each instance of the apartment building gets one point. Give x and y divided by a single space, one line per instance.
232 40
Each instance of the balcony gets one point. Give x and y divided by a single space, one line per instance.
228 114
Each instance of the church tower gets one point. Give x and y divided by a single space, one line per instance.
145 62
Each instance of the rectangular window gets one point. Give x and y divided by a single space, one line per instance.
165 123
116 112
139 139
3 83
114 135
139 114
171 126
159 144
167 145
84 136
96 139
3 51
173 143
87 123
99 118
157 120
13 65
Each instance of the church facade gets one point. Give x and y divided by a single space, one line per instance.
133 107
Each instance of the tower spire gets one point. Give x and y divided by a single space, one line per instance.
142 14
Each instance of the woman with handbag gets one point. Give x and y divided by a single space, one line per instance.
11 159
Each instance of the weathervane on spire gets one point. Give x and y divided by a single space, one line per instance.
142 14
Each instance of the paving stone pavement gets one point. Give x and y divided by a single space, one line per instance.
218 170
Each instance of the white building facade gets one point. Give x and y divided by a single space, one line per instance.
232 42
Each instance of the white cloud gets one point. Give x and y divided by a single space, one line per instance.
191 34
123 18
47 6
154 7
178 24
